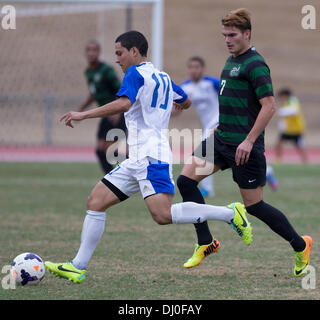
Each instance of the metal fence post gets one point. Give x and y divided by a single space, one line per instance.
49 102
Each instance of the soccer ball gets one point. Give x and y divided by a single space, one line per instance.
27 268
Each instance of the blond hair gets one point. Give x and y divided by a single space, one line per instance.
239 18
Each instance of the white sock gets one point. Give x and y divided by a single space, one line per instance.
92 230
207 184
191 212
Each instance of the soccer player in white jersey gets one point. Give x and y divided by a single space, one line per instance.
146 96
203 93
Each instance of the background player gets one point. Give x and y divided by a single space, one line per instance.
202 91
291 125
271 178
103 85
146 96
246 105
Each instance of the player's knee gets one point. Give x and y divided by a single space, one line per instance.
94 204
90 202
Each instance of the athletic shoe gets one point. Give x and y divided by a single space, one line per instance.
66 270
240 222
302 258
200 252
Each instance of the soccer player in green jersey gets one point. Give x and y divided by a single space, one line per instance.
103 85
246 105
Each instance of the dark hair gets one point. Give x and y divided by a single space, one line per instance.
284 92
132 39
197 59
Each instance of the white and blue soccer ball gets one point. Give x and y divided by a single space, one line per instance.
27 269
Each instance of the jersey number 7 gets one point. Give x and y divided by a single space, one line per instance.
166 87
223 83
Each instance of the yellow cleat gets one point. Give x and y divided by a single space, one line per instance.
66 270
302 259
240 223
200 252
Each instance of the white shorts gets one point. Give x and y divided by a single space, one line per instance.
148 175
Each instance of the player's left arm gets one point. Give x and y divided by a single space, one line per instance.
120 105
181 100
183 105
179 107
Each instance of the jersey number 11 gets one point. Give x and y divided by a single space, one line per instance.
166 87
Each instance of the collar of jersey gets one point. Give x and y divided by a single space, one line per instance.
141 64
252 48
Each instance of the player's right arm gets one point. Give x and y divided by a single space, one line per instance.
128 93
120 105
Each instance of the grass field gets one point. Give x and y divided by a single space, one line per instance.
42 207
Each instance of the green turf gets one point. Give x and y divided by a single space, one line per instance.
42 207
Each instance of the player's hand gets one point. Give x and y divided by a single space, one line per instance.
243 152
177 107
71 116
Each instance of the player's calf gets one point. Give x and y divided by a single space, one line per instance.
159 206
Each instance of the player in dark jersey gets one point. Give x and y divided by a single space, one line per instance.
103 85
246 105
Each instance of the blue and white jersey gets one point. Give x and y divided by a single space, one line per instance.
204 97
151 93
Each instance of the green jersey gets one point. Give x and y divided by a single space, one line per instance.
244 80
103 83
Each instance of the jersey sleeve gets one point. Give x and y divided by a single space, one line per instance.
131 84
258 74
179 95
215 82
